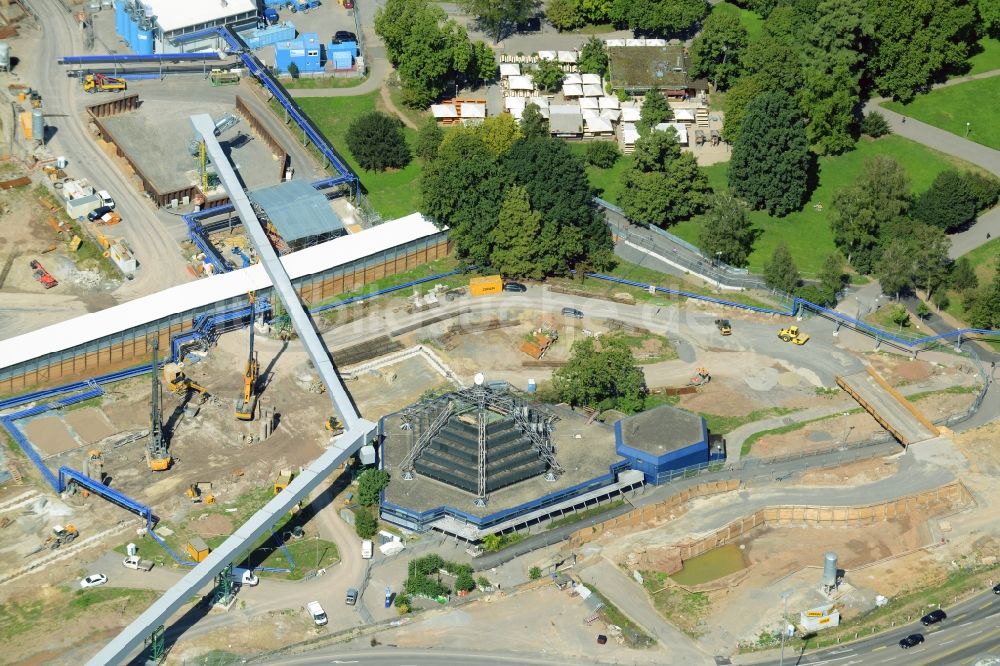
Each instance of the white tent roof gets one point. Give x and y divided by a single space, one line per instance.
611 114
684 114
655 42
546 55
592 78
473 110
510 69
567 56
520 83
573 90
206 291
635 42
597 124
511 103
615 42
609 103
444 111
542 102
629 133
590 113
177 14
592 90
589 103
572 78
630 112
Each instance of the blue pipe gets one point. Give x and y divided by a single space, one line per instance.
124 58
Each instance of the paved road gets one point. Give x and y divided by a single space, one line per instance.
972 631
401 657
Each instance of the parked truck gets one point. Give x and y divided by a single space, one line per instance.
137 563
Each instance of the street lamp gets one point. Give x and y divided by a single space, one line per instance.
784 625
968 127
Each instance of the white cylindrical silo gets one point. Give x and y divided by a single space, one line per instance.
830 570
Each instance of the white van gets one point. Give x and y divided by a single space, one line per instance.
367 549
317 612
244 577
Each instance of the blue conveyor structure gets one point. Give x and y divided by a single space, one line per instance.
129 58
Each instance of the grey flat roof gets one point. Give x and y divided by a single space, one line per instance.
583 458
297 210
662 430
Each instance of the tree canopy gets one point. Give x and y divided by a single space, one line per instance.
370 484
948 204
533 123
516 250
655 110
770 163
605 377
717 51
658 17
496 16
780 272
377 142
726 231
548 76
593 57
663 185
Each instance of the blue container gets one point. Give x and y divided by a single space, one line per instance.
119 17
270 15
349 47
144 40
532 387
133 28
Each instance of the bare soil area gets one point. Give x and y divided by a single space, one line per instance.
851 474
718 397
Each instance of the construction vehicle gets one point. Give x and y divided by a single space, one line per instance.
284 478
198 493
109 219
178 382
334 425
703 377
247 404
61 536
157 456
220 77
93 83
725 328
42 275
134 562
794 335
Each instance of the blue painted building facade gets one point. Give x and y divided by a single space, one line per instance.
306 52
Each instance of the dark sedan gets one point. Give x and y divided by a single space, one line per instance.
515 287
911 640
933 617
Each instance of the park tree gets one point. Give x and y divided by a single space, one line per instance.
949 203
496 17
548 76
605 377
573 231
483 65
989 17
929 255
831 276
913 43
499 133
985 189
663 185
739 97
770 163
780 271
717 51
395 19
293 70
429 138
377 142
726 231
786 23
831 83
516 248
658 17
775 64
603 154
593 57
370 484
875 125
564 14
895 268
879 198
462 189
533 123
655 110
984 308
365 524
963 275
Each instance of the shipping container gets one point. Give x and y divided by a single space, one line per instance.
483 286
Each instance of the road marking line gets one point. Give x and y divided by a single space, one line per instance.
986 605
976 633
946 642
881 647
965 624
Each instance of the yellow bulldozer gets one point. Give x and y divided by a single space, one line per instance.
178 382
794 335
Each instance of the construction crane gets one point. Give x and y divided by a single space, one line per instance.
247 403
157 455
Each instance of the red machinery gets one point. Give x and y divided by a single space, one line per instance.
42 275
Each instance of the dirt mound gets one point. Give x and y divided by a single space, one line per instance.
212 525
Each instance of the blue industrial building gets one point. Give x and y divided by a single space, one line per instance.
341 55
487 460
305 52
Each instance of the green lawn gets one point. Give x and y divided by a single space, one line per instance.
988 59
985 260
393 193
950 108
753 23
807 232
314 82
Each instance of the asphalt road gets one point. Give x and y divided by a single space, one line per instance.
971 632
403 657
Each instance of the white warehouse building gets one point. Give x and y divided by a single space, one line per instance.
171 21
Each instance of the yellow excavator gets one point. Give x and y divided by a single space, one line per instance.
157 456
178 382
247 403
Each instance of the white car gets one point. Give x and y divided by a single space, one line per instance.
106 199
367 549
93 580
317 613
